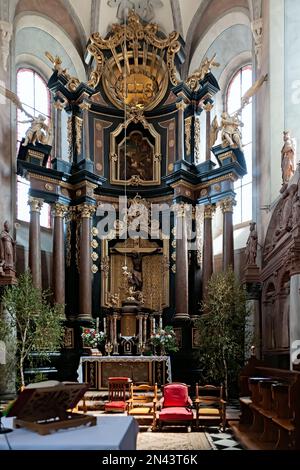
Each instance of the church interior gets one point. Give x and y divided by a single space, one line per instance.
150 221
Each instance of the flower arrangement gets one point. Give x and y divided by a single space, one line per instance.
92 338
165 339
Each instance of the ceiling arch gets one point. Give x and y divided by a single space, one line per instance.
217 28
207 14
62 13
37 22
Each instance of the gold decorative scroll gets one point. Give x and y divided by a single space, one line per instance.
138 53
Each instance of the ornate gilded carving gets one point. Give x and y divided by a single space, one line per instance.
199 233
94 244
86 210
209 210
228 204
188 134
105 265
193 81
49 187
59 210
197 141
73 82
78 132
94 268
142 62
35 204
94 256
70 216
135 161
181 105
70 137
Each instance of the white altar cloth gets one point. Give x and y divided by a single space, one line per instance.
110 433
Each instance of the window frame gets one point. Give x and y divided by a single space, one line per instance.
34 110
239 71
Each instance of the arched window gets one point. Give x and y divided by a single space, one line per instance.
35 97
238 86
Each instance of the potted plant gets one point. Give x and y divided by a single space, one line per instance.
92 339
164 340
221 331
31 321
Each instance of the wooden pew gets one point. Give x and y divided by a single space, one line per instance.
270 408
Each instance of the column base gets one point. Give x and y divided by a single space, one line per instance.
84 317
182 316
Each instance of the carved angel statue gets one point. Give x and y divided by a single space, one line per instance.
199 74
38 131
230 132
287 157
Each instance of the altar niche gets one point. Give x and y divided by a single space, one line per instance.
136 290
135 153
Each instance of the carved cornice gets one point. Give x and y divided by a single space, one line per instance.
228 204
35 204
209 210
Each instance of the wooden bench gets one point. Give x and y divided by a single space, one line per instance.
270 408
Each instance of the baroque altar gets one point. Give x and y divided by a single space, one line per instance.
132 185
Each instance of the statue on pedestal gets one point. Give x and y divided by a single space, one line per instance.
7 250
251 247
230 132
287 157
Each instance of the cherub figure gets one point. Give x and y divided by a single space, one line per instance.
38 131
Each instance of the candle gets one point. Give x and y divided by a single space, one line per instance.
160 322
153 325
97 324
104 325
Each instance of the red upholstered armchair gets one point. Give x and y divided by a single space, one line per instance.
175 406
118 391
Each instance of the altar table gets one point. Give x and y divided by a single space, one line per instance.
110 433
95 370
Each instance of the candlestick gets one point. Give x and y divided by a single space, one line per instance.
97 324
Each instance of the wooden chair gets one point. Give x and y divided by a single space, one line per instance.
175 406
118 392
210 406
142 403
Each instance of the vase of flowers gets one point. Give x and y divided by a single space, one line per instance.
92 339
164 341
